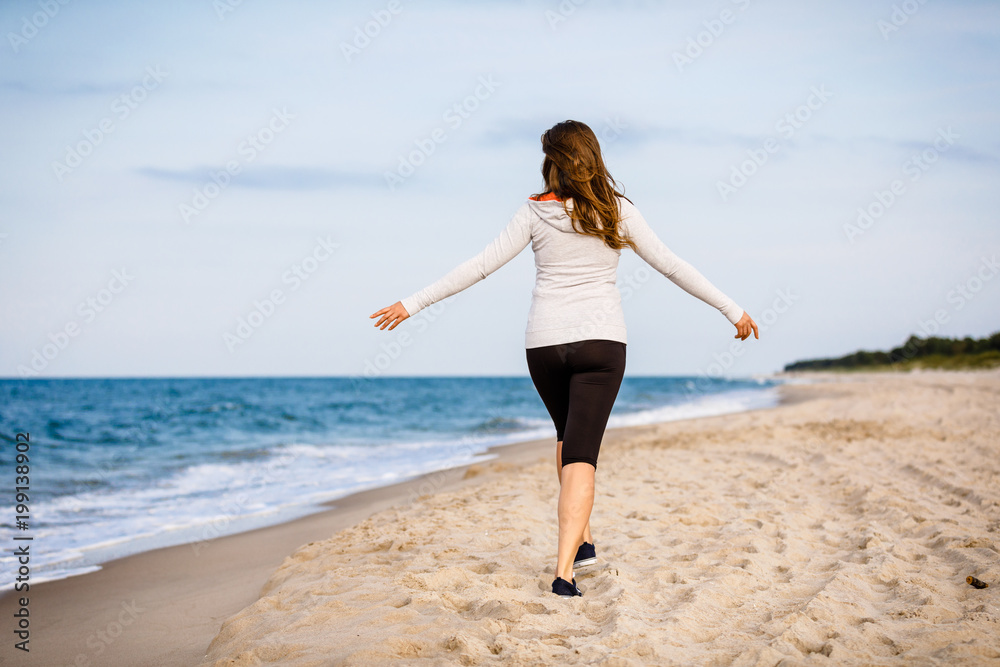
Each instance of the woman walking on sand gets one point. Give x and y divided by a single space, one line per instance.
575 338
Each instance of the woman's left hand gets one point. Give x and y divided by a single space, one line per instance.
393 314
744 326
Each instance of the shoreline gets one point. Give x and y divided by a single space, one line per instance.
200 584
187 537
840 526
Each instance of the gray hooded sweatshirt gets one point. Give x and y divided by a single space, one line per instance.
575 296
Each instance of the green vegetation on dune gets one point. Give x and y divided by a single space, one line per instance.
916 352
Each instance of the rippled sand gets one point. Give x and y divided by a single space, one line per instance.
837 530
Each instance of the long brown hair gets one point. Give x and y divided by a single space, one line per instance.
573 168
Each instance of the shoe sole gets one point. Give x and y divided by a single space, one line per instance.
585 562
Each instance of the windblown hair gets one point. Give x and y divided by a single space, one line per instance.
573 168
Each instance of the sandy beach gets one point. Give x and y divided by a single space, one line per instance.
837 528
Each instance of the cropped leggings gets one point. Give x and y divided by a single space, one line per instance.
578 383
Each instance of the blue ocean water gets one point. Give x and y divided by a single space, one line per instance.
120 466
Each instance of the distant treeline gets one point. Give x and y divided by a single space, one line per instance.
916 352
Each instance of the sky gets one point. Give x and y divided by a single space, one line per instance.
227 188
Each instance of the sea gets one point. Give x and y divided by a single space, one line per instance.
120 466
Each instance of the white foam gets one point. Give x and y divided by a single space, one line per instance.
706 406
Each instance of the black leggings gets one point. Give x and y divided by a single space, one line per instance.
578 382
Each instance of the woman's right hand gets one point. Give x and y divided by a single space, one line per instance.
393 314
744 326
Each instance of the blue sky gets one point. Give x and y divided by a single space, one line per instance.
121 256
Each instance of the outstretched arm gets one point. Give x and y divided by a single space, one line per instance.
511 241
655 253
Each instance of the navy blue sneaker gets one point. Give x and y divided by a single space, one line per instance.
564 589
585 556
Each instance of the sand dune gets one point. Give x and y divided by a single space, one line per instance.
836 530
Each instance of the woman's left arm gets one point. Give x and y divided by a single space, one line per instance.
656 253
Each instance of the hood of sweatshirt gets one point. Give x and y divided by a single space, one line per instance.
552 212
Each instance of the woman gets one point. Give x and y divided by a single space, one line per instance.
575 338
